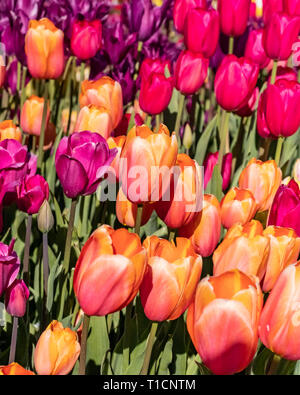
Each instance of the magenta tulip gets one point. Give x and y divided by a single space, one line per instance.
86 38
201 31
234 15
280 33
190 72
9 265
292 7
248 108
154 65
16 297
254 49
181 9
81 161
235 81
286 73
270 7
210 162
285 209
31 194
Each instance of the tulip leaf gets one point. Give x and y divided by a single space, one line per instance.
297 369
54 272
166 358
58 213
204 141
192 365
214 185
261 360
97 343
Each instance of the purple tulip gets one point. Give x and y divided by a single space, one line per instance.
9 265
210 162
285 209
11 77
81 161
31 194
16 297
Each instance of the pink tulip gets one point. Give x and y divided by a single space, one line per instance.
181 9
31 194
9 265
234 15
16 297
210 162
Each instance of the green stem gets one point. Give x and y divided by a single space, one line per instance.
85 214
137 64
23 86
13 344
43 128
83 346
46 276
82 67
230 45
172 233
26 251
157 122
126 350
149 347
274 365
278 150
274 71
138 219
224 130
178 117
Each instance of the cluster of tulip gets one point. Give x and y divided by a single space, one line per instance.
149 187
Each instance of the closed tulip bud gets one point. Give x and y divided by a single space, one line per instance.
226 309
103 92
205 229
32 114
188 137
201 31
235 81
14 369
81 161
181 9
9 265
44 48
280 33
172 274
57 350
234 15
262 179
45 219
190 72
292 7
95 119
284 250
116 143
8 130
183 201
140 152
31 194
254 49
109 271
237 207
86 38
16 297
279 325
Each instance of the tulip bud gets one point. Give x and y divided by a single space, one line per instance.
234 15
254 49
32 193
8 130
57 350
32 114
182 8
14 369
188 137
45 218
44 47
95 119
16 297
86 38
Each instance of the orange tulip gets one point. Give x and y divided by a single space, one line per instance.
65 119
173 272
8 130
284 250
109 271
183 201
262 179
116 142
245 248
14 369
237 207
44 48
57 350
146 162
279 326
223 321
95 119
126 211
205 229
104 92
32 114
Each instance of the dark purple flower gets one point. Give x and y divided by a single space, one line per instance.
11 77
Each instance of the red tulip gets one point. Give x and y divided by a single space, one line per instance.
153 65
270 7
181 9
234 15
292 7
86 38
254 49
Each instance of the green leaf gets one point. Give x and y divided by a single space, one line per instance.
204 141
166 358
58 214
261 360
55 270
97 344
214 185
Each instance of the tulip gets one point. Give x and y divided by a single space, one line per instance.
117 143
292 7
109 271
44 48
263 180
277 110
31 194
14 369
10 265
171 277
45 219
2 71
32 114
254 49
81 161
103 92
247 109
210 162
280 33
201 31
234 15
57 350
152 156
65 118
270 7
16 297
183 200
126 211
223 321
245 248
190 72
11 77
152 65
8 130
95 119
182 8
286 73
49 138
86 38
279 321
296 171
285 208
284 250
238 206
205 229
235 81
